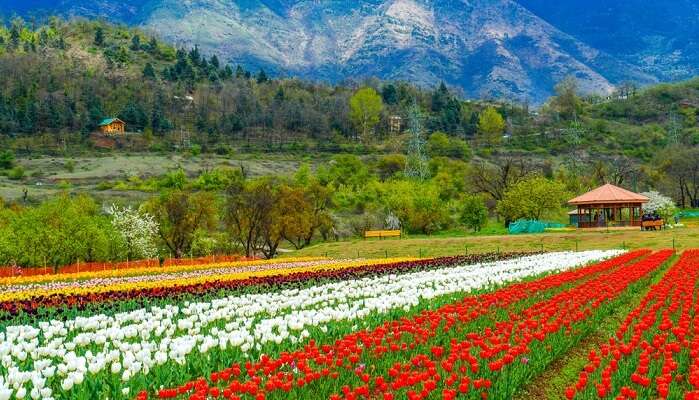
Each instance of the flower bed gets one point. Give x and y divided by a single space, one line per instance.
115 355
655 352
452 350
31 301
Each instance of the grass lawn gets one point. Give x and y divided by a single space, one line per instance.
684 238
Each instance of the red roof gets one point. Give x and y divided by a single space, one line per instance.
609 194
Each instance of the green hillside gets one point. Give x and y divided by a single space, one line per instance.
58 80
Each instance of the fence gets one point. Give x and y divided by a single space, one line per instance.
78 267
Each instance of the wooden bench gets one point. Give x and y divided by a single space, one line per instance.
382 234
652 225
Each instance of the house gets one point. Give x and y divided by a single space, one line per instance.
394 124
112 126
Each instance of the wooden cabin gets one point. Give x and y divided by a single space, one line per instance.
112 126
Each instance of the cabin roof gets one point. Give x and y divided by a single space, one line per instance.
109 121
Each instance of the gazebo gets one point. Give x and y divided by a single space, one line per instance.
609 205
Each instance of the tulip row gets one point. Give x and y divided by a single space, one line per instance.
655 351
459 348
139 271
163 345
160 281
138 295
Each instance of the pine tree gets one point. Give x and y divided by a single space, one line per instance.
136 42
153 45
262 76
99 36
214 62
149 71
14 36
239 72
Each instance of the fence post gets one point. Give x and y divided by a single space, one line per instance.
386 253
576 245
673 244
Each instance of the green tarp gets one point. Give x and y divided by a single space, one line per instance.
532 226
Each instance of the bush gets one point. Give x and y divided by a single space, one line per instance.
16 173
7 159
70 166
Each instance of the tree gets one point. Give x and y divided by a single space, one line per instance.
153 45
491 125
439 144
365 110
303 210
136 42
250 206
99 36
215 62
149 71
417 206
474 213
179 215
660 204
7 159
57 232
566 102
680 164
496 178
389 94
138 230
262 76
390 165
532 198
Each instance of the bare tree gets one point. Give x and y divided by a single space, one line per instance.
495 178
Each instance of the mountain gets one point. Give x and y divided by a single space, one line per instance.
661 36
488 48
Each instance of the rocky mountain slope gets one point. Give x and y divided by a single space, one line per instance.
489 48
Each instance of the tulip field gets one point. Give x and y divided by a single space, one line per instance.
467 327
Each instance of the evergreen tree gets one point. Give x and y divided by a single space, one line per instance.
262 76
136 42
440 98
153 45
214 62
135 116
279 96
14 36
149 71
239 72
99 36
389 94
228 72
195 55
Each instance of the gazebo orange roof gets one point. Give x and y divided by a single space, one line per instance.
609 194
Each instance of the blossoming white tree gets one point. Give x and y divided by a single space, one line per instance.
658 203
138 229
